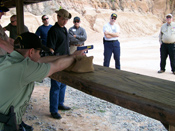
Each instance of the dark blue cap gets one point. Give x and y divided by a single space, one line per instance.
76 18
114 15
3 8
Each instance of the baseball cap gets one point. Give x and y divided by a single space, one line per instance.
63 13
169 15
114 15
76 18
3 8
29 40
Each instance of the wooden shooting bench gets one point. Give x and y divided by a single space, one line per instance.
146 95
149 96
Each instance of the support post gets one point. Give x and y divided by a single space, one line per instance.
171 128
20 16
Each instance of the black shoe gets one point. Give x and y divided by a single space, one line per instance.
161 71
56 115
64 108
25 127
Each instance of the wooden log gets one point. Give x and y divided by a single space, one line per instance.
149 96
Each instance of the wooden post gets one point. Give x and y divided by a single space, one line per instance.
171 128
20 16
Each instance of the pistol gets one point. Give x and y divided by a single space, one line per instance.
85 47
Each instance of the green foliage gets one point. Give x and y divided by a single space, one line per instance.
102 111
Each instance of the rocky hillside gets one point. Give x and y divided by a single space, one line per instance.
135 17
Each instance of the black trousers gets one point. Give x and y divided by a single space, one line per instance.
165 51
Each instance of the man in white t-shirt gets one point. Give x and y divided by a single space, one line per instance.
111 43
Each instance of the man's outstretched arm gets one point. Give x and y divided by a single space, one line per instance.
59 63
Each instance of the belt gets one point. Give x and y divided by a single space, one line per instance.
110 40
77 44
169 43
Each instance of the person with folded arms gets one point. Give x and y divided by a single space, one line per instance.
111 42
77 35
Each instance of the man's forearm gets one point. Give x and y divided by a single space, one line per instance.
113 34
60 64
48 59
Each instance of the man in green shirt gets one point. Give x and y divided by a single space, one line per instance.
21 68
12 27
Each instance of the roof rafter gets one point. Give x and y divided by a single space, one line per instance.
12 3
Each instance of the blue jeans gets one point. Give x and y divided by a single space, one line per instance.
165 50
57 93
109 48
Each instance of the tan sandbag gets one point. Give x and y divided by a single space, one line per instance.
82 64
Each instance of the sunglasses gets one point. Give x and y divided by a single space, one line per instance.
168 17
13 21
76 21
45 19
114 18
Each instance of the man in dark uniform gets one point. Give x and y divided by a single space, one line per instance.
58 40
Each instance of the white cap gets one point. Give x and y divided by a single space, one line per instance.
169 15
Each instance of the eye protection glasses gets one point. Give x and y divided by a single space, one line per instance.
13 21
114 18
168 17
45 19
76 21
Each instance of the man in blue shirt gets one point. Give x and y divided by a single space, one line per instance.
43 29
42 32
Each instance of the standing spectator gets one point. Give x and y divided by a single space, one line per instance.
12 27
43 29
58 40
77 35
167 43
111 43
42 32
8 45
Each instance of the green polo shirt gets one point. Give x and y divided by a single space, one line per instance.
17 77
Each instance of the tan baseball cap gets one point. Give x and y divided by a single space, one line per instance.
63 13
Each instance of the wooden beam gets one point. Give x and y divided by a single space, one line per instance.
12 3
171 128
20 16
149 96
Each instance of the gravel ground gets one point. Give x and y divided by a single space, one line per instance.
120 119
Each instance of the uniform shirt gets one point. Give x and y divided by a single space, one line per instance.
58 40
13 30
17 76
112 29
80 35
4 37
167 33
42 33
